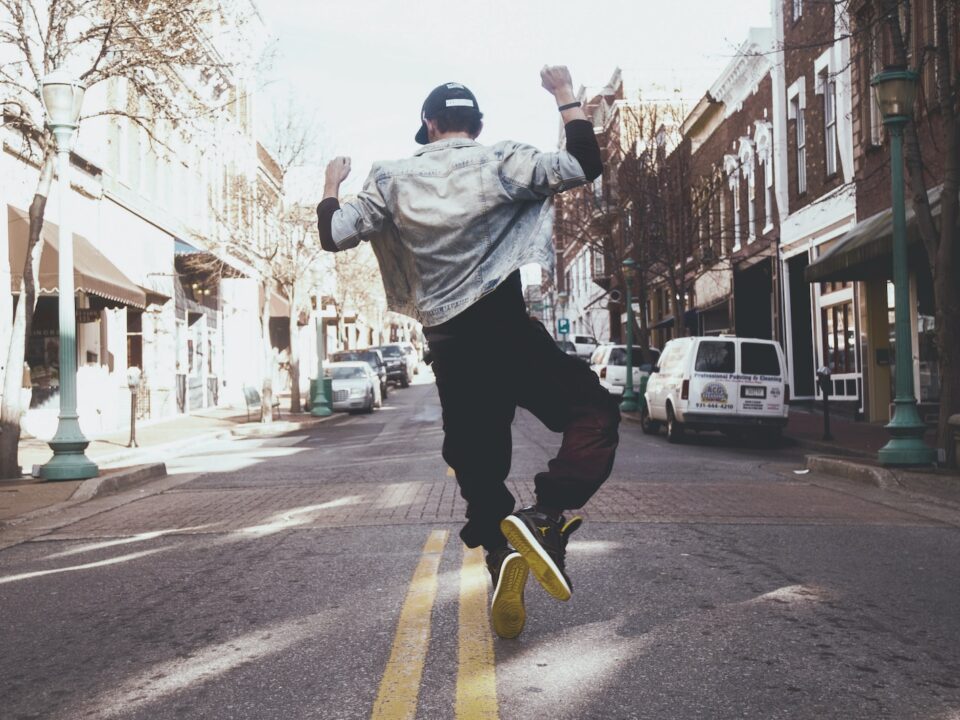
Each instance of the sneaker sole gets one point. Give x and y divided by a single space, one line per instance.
507 611
542 566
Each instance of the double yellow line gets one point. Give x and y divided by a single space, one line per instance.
476 697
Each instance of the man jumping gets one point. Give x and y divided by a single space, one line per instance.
450 227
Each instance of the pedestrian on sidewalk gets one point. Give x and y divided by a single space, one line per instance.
450 227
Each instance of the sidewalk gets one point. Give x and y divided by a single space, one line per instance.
122 467
852 455
850 437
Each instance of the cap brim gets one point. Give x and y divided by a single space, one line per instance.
421 136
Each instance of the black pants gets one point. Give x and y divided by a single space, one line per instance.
482 376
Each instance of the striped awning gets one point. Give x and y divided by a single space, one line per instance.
93 273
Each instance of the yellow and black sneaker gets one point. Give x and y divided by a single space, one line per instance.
509 572
542 541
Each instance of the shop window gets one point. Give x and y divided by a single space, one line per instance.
831 287
134 338
928 389
839 337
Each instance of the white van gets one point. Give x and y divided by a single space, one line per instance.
722 383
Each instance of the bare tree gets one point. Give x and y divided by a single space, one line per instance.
299 248
157 50
359 286
653 207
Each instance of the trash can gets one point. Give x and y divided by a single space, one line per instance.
641 390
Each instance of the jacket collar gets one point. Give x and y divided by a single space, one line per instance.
445 144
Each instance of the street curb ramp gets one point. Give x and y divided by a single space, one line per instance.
118 481
851 470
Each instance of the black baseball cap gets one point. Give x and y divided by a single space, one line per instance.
441 97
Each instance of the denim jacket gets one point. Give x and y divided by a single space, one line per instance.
450 223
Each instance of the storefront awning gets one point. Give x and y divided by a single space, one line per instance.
93 272
866 251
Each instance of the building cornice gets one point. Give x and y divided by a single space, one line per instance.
743 74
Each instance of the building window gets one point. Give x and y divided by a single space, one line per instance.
872 65
797 8
797 108
598 264
838 338
736 216
829 86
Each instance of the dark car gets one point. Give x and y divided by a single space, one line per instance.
397 368
372 357
568 347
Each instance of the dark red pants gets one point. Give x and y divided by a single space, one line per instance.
482 377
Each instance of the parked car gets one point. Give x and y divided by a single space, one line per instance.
609 362
396 361
568 347
585 345
412 356
722 383
355 386
372 357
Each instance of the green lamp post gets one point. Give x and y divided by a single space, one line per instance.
562 298
62 99
896 89
629 403
322 387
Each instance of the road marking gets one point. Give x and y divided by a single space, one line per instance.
476 674
397 698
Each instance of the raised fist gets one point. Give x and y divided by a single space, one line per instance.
555 78
337 170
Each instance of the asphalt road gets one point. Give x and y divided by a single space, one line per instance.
320 576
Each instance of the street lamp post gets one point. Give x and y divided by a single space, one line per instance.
896 89
62 99
629 403
563 297
323 387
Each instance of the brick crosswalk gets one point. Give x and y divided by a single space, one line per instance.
343 504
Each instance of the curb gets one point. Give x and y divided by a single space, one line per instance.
255 430
118 481
851 470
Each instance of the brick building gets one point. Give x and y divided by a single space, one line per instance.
861 259
813 141
724 163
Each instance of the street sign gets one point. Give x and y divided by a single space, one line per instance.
563 326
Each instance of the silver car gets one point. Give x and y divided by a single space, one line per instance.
355 386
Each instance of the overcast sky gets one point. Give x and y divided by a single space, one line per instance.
362 68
